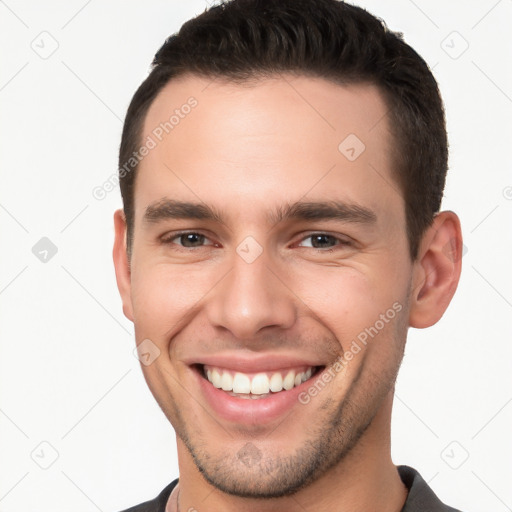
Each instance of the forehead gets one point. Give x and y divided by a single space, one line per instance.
273 139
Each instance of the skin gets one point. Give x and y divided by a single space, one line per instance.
246 151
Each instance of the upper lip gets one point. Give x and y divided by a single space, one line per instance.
254 363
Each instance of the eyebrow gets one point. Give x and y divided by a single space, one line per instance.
305 211
172 209
324 210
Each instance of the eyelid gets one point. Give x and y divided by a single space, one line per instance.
343 240
168 238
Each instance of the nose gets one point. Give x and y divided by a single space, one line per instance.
251 297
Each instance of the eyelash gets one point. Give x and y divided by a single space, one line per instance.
168 240
173 236
340 242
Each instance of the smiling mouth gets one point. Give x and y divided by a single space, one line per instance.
257 385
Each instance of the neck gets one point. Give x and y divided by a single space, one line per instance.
364 478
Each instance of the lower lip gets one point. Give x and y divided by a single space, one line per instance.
250 411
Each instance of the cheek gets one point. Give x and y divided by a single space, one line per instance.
352 305
164 296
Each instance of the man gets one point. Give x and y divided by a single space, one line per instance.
282 169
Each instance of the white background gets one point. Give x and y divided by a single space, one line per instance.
68 376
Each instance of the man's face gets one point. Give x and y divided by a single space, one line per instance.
264 251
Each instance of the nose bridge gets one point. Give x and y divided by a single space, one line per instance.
250 297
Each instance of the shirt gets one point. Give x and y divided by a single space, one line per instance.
421 497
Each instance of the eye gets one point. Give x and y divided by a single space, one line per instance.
187 240
321 241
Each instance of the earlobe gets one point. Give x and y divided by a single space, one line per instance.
436 271
121 263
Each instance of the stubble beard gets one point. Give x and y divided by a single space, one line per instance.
251 472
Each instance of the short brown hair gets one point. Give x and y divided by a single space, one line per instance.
244 39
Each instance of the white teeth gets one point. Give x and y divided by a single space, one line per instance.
216 379
227 381
276 382
289 380
241 383
259 385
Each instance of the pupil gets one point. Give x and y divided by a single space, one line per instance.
192 239
322 241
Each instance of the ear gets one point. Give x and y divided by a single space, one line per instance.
121 263
436 271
